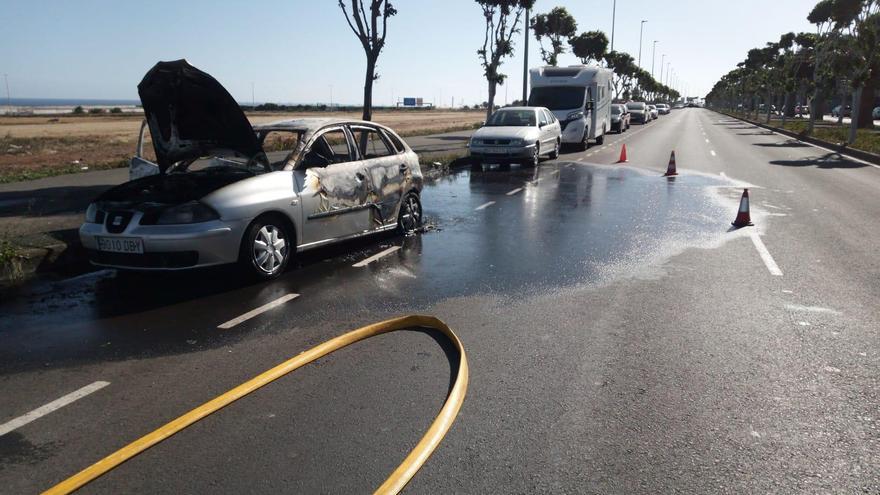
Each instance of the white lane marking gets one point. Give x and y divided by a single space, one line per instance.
812 309
555 172
52 406
707 140
511 193
771 265
375 257
254 312
712 152
484 206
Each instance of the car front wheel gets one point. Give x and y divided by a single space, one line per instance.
267 248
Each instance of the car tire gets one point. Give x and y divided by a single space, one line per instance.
585 142
409 218
555 153
601 139
267 247
536 156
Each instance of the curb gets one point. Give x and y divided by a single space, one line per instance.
60 256
837 148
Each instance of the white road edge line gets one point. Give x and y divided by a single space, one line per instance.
52 406
254 312
376 256
712 152
511 193
484 206
771 265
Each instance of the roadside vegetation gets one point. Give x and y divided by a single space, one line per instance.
838 64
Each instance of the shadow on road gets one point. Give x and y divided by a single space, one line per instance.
48 201
829 160
762 133
791 143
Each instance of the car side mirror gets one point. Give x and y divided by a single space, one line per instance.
590 105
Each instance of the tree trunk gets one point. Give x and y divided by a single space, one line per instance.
866 105
491 100
842 106
785 109
368 87
854 118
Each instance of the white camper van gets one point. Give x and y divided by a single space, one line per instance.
579 95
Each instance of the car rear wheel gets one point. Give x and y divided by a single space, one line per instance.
410 217
267 248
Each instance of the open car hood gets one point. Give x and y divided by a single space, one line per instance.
190 114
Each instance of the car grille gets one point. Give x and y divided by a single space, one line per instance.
496 142
117 221
179 259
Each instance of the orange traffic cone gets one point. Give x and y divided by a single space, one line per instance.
622 154
670 170
742 217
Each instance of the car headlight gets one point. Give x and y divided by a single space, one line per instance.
92 213
192 212
517 142
575 116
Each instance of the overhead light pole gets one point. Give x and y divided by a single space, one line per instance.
613 19
662 63
526 61
654 56
641 32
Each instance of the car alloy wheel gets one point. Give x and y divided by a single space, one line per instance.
536 156
555 153
270 249
410 217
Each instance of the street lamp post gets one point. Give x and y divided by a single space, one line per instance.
662 62
641 32
613 19
654 57
526 60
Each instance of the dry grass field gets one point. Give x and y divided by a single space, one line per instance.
39 146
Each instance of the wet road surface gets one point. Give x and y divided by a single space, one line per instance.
622 338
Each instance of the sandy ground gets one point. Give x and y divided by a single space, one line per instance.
32 145
126 126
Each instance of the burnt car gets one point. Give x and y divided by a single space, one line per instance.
223 191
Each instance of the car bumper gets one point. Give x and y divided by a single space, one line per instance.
574 131
639 118
501 152
168 247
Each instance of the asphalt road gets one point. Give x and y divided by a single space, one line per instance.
622 338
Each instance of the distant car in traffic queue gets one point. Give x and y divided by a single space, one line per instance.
517 134
836 111
655 114
620 118
222 191
663 108
639 112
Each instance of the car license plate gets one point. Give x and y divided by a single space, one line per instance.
497 151
131 245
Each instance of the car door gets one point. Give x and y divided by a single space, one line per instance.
335 189
385 168
548 137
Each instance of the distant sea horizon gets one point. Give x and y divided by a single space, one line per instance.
64 102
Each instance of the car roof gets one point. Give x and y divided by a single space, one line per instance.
519 108
311 124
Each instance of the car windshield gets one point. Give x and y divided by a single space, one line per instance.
635 106
512 118
558 97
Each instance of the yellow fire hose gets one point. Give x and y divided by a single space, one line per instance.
398 479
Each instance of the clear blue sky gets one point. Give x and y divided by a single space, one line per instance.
294 50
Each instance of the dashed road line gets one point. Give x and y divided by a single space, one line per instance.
50 407
707 140
255 312
712 152
484 206
511 193
375 257
771 265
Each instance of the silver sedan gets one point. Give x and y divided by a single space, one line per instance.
221 191
517 134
